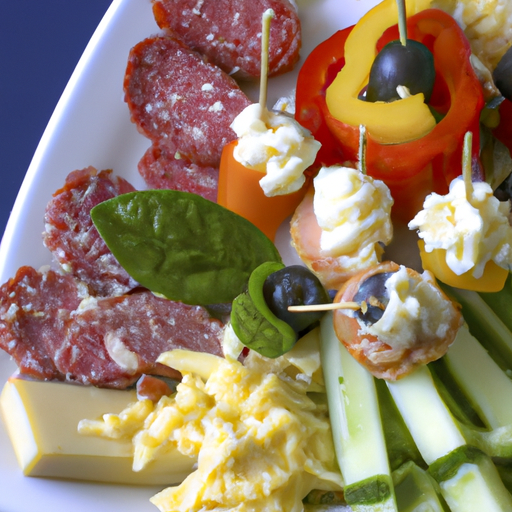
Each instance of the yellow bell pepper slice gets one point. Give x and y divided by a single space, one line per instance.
492 280
388 123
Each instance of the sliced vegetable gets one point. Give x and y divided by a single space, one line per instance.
399 442
411 117
484 383
255 324
481 380
455 399
492 280
416 490
239 190
500 302
356 423
468 479
261 175
429 421
464 232
317 72
485 325
181 245
470 482
425 164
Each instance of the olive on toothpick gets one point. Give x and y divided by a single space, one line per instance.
404 62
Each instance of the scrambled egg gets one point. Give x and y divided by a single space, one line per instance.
261 439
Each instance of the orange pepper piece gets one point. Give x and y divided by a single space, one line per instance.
492 280
239 190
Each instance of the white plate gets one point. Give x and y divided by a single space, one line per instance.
91 126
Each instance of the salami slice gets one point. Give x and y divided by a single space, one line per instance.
34 310
112 341
72 237
179 100
228 32
160 169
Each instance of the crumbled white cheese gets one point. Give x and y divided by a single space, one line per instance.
276 145
473 230
417 312
353 210
120 353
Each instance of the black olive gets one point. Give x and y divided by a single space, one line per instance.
410 65
502 75
373 291
504 190
294 285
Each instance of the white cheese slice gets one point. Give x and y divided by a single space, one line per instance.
42 419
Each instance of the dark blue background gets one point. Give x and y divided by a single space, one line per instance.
40 44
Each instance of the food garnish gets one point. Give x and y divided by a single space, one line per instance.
409 321
415 162
291 286
260 316
267 161
402 67
256 326
466 236
343 223
182 245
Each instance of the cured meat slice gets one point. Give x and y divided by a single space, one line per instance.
228 32
34 311
180 100
55 331
152 388
72 237
112 341
161 170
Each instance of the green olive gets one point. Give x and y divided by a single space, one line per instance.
410 65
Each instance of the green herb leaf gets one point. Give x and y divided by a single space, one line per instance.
181 245
253 322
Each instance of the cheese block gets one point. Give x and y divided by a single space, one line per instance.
42 420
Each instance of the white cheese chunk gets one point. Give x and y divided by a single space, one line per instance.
42 418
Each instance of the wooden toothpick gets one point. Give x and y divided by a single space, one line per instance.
325 307
466 165
265 38
402 21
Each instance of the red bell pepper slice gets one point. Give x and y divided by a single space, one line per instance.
410 169
315 75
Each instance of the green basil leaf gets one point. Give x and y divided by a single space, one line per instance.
255 324
181 245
